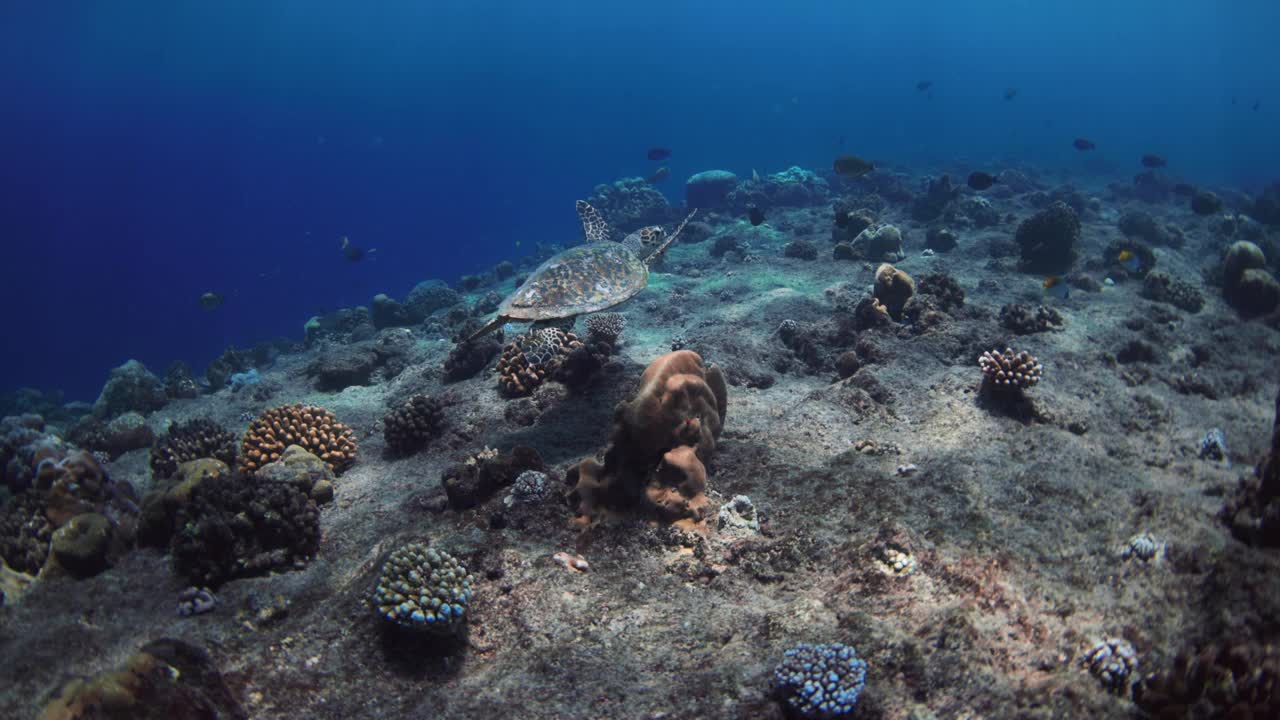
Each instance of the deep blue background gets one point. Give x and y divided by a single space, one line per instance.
150 151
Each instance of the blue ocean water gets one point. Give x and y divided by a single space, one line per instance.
156 151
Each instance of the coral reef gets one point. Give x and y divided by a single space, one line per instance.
301 469
191 440
469 356
1164 288
1047 240
1023 320
413 426
630 204
879 243
1224 679
385 312
940 239
821 681
661 439
605 328
800 249
115 437
1204 202
179 383
310 427
429 296
166 679
1253 511
160 505
237 526
25 533
230 362
1009 370
944 288
709 189
421 588
480 476
1141 225
793 187
1246 284
130 388
939 194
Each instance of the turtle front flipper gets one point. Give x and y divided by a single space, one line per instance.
594 228
649 261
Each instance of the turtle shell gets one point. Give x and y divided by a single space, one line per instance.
583 279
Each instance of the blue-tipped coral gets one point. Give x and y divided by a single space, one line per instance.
422 588
821 681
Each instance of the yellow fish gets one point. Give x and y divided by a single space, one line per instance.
1129 261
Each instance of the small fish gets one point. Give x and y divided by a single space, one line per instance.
1010 93
755 215
659 153
1257 104
979 180
354 253
755 176
852 166
1129 260
1153 161
211 301
924 85
1055 286
659 175
1083 144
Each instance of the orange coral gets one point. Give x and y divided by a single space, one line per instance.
661 439
310 427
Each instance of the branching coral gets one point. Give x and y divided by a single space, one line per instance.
1009 370
191 440
312 428
235 526
421 588
661 439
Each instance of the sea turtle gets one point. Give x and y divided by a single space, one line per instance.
586 278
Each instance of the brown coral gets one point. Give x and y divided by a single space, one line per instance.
1009 370
661 439
533 357
310 427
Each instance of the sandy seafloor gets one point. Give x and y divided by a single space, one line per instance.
1016 523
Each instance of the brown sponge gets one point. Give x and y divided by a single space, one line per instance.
893 288
661 439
